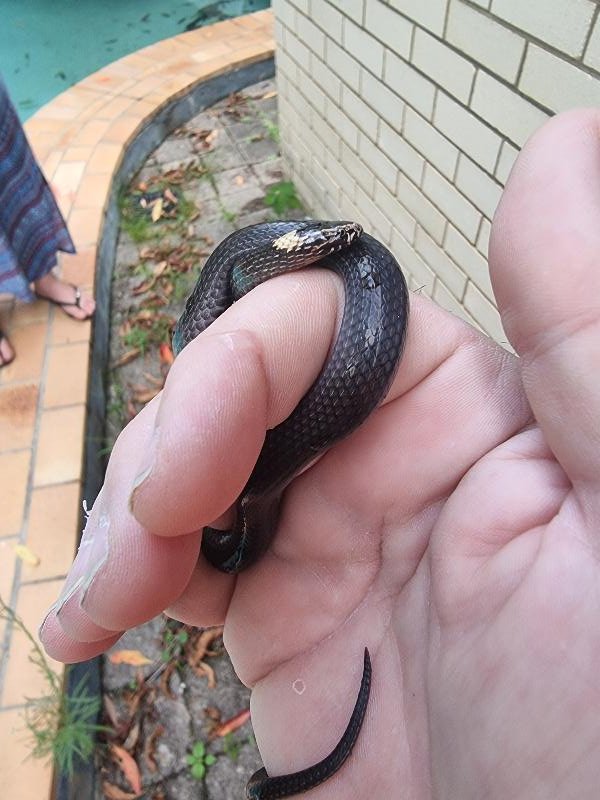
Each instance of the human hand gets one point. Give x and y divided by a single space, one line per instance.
454 534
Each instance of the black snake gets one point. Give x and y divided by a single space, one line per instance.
355 379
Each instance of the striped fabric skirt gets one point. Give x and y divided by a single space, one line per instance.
32 229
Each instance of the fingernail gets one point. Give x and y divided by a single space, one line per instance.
146 465
91 557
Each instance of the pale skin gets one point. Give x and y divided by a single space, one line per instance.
455 534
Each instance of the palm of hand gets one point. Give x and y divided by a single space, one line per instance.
453 534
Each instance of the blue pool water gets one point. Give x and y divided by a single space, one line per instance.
48 45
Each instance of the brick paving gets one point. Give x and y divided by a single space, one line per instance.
80 139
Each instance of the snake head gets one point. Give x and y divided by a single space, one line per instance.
310 241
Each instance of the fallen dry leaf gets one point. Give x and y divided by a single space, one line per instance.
239 180
145 396
166 354
160 382
112 792
132 657
127 357
268 95
202 669
150 747
25 554
128 767
111 712
132 737
232 724
168 195
157 209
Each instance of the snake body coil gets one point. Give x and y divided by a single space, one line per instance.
355 379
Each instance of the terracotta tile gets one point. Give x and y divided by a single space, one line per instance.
78 153
26 313
105 158
65 205
29 342
78 268
23 777
60 446
51 162
65 329
142 109
94 189
145 86
84 225
22 679
18 405
52 530
66 376
122 130
14 474
91 132
209 50
114 108
67 176
8 564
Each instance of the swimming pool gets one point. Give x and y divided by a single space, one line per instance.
48 45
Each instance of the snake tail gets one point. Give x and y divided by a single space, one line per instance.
262 787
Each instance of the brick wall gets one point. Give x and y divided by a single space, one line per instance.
407 116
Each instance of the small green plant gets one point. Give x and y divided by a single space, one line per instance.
198 760
62 726
231 746
272 128
174 641
282 197
228 216
137 338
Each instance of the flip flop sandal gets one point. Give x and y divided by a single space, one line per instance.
4 362
65 304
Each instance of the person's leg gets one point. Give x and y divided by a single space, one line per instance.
73 301
7 352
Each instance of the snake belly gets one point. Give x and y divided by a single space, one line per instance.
355 379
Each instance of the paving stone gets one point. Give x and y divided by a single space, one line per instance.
173 150
145 638
231 181
270 172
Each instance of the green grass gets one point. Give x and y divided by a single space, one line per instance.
282 197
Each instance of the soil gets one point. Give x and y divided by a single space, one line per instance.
179 715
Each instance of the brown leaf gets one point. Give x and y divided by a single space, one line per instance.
142 186
132 657
159 382
143 287
239 180
132 737
160 268
168 195
203 669
166 354
112 792
128 767
150 747
200 647
157 209
232 724
146 395
127 357
268 95
111 712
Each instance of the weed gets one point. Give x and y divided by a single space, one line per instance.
137 338
272 128
231 747
198 760
282 197
228 216
62 727
174 641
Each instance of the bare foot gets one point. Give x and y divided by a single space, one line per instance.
7 352
74 302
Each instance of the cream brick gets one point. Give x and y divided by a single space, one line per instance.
340 174
508 156
378 222
313 36
484 313
430 14
561 23
279 33
464 129
330 84
422 277
364 47
592 53
556 84
412 87
451 202
343 125
446 300
356 167
421 208
505 109
326 134
378 162
383 101
389 27
352 8
482 3
359 112
286 67
402 154
285 12
471 261
451 71
485 40
329 186
430 142
298 51
443 266
483 239
477 185
313 95
328 19
342 64
401 220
